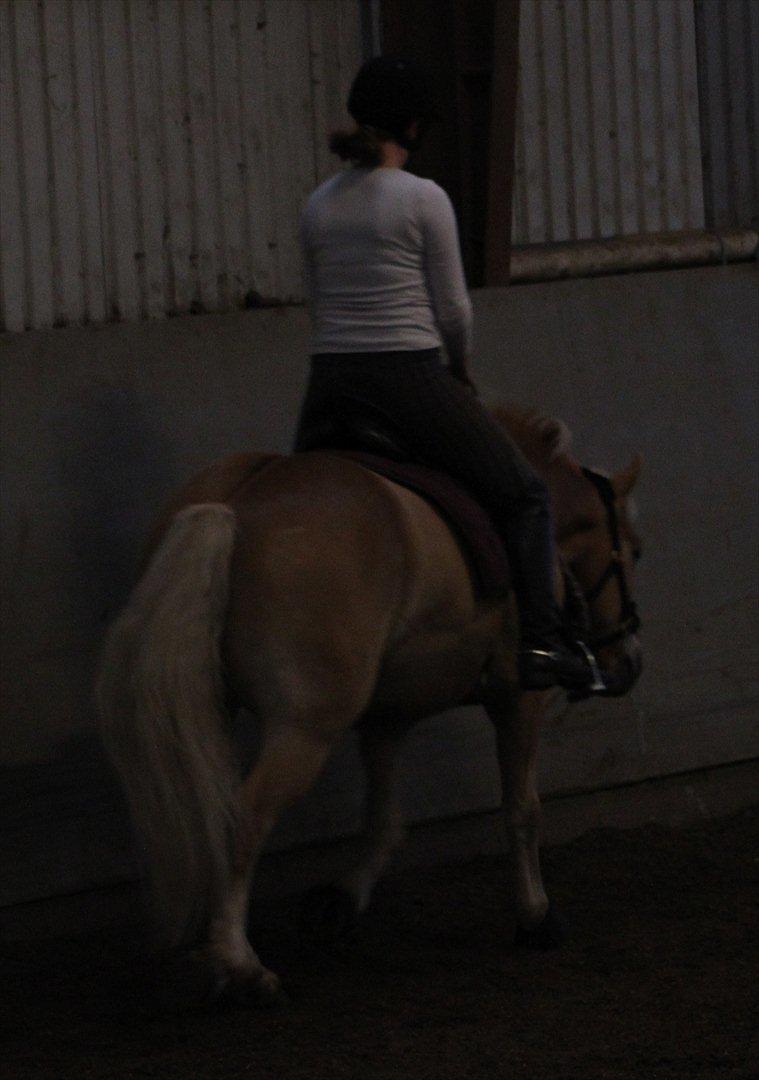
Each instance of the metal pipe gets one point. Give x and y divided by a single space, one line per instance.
621 254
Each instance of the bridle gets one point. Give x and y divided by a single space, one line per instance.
629 619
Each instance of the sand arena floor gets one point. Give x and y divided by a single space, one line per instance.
659 978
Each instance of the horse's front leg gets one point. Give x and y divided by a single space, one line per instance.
330 912
517 718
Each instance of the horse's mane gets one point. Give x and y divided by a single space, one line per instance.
542 439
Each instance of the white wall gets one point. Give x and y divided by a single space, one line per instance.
99 425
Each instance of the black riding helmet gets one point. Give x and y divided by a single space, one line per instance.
389 93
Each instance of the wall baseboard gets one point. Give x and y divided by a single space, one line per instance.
674 801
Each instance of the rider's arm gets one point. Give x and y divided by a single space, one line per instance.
445 276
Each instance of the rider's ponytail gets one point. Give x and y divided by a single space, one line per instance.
363 145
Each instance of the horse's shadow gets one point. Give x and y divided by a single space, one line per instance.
115 466
100 468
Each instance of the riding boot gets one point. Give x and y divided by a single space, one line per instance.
546 656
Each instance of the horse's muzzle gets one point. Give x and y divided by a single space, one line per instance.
621 678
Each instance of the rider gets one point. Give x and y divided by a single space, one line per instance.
386 288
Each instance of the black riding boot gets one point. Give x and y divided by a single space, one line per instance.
546 657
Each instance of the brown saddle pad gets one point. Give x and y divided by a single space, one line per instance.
480 542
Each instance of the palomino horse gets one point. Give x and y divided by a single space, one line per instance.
321 596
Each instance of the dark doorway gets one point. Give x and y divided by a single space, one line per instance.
469 49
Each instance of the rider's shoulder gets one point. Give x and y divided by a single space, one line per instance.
324 189
416 183
427 195
432 199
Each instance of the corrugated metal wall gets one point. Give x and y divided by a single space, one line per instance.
728 52
154 152
608 136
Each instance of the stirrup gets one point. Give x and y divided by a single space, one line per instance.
598 686
598 683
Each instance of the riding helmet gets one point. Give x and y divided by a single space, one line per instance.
389 93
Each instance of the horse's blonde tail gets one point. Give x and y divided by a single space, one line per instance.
160 699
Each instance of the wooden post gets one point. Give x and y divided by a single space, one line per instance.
503 102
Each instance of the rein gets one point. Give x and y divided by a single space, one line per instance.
629 618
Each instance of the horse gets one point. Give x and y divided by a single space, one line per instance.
322 597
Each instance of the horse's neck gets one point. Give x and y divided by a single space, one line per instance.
571 495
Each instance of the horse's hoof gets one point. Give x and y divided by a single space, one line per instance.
328 914
549 933
262 990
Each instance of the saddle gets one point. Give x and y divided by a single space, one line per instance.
379 449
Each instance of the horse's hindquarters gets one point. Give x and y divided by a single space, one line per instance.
316 588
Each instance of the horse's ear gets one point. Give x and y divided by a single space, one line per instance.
625 481
555 437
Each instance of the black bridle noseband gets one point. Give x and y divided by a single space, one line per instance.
629 618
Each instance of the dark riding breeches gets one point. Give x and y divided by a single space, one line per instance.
445 427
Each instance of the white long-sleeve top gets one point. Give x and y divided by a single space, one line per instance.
383 265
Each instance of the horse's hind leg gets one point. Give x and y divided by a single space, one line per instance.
384 828
290 759
517 724
329 912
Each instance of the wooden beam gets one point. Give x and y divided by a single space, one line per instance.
503 100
